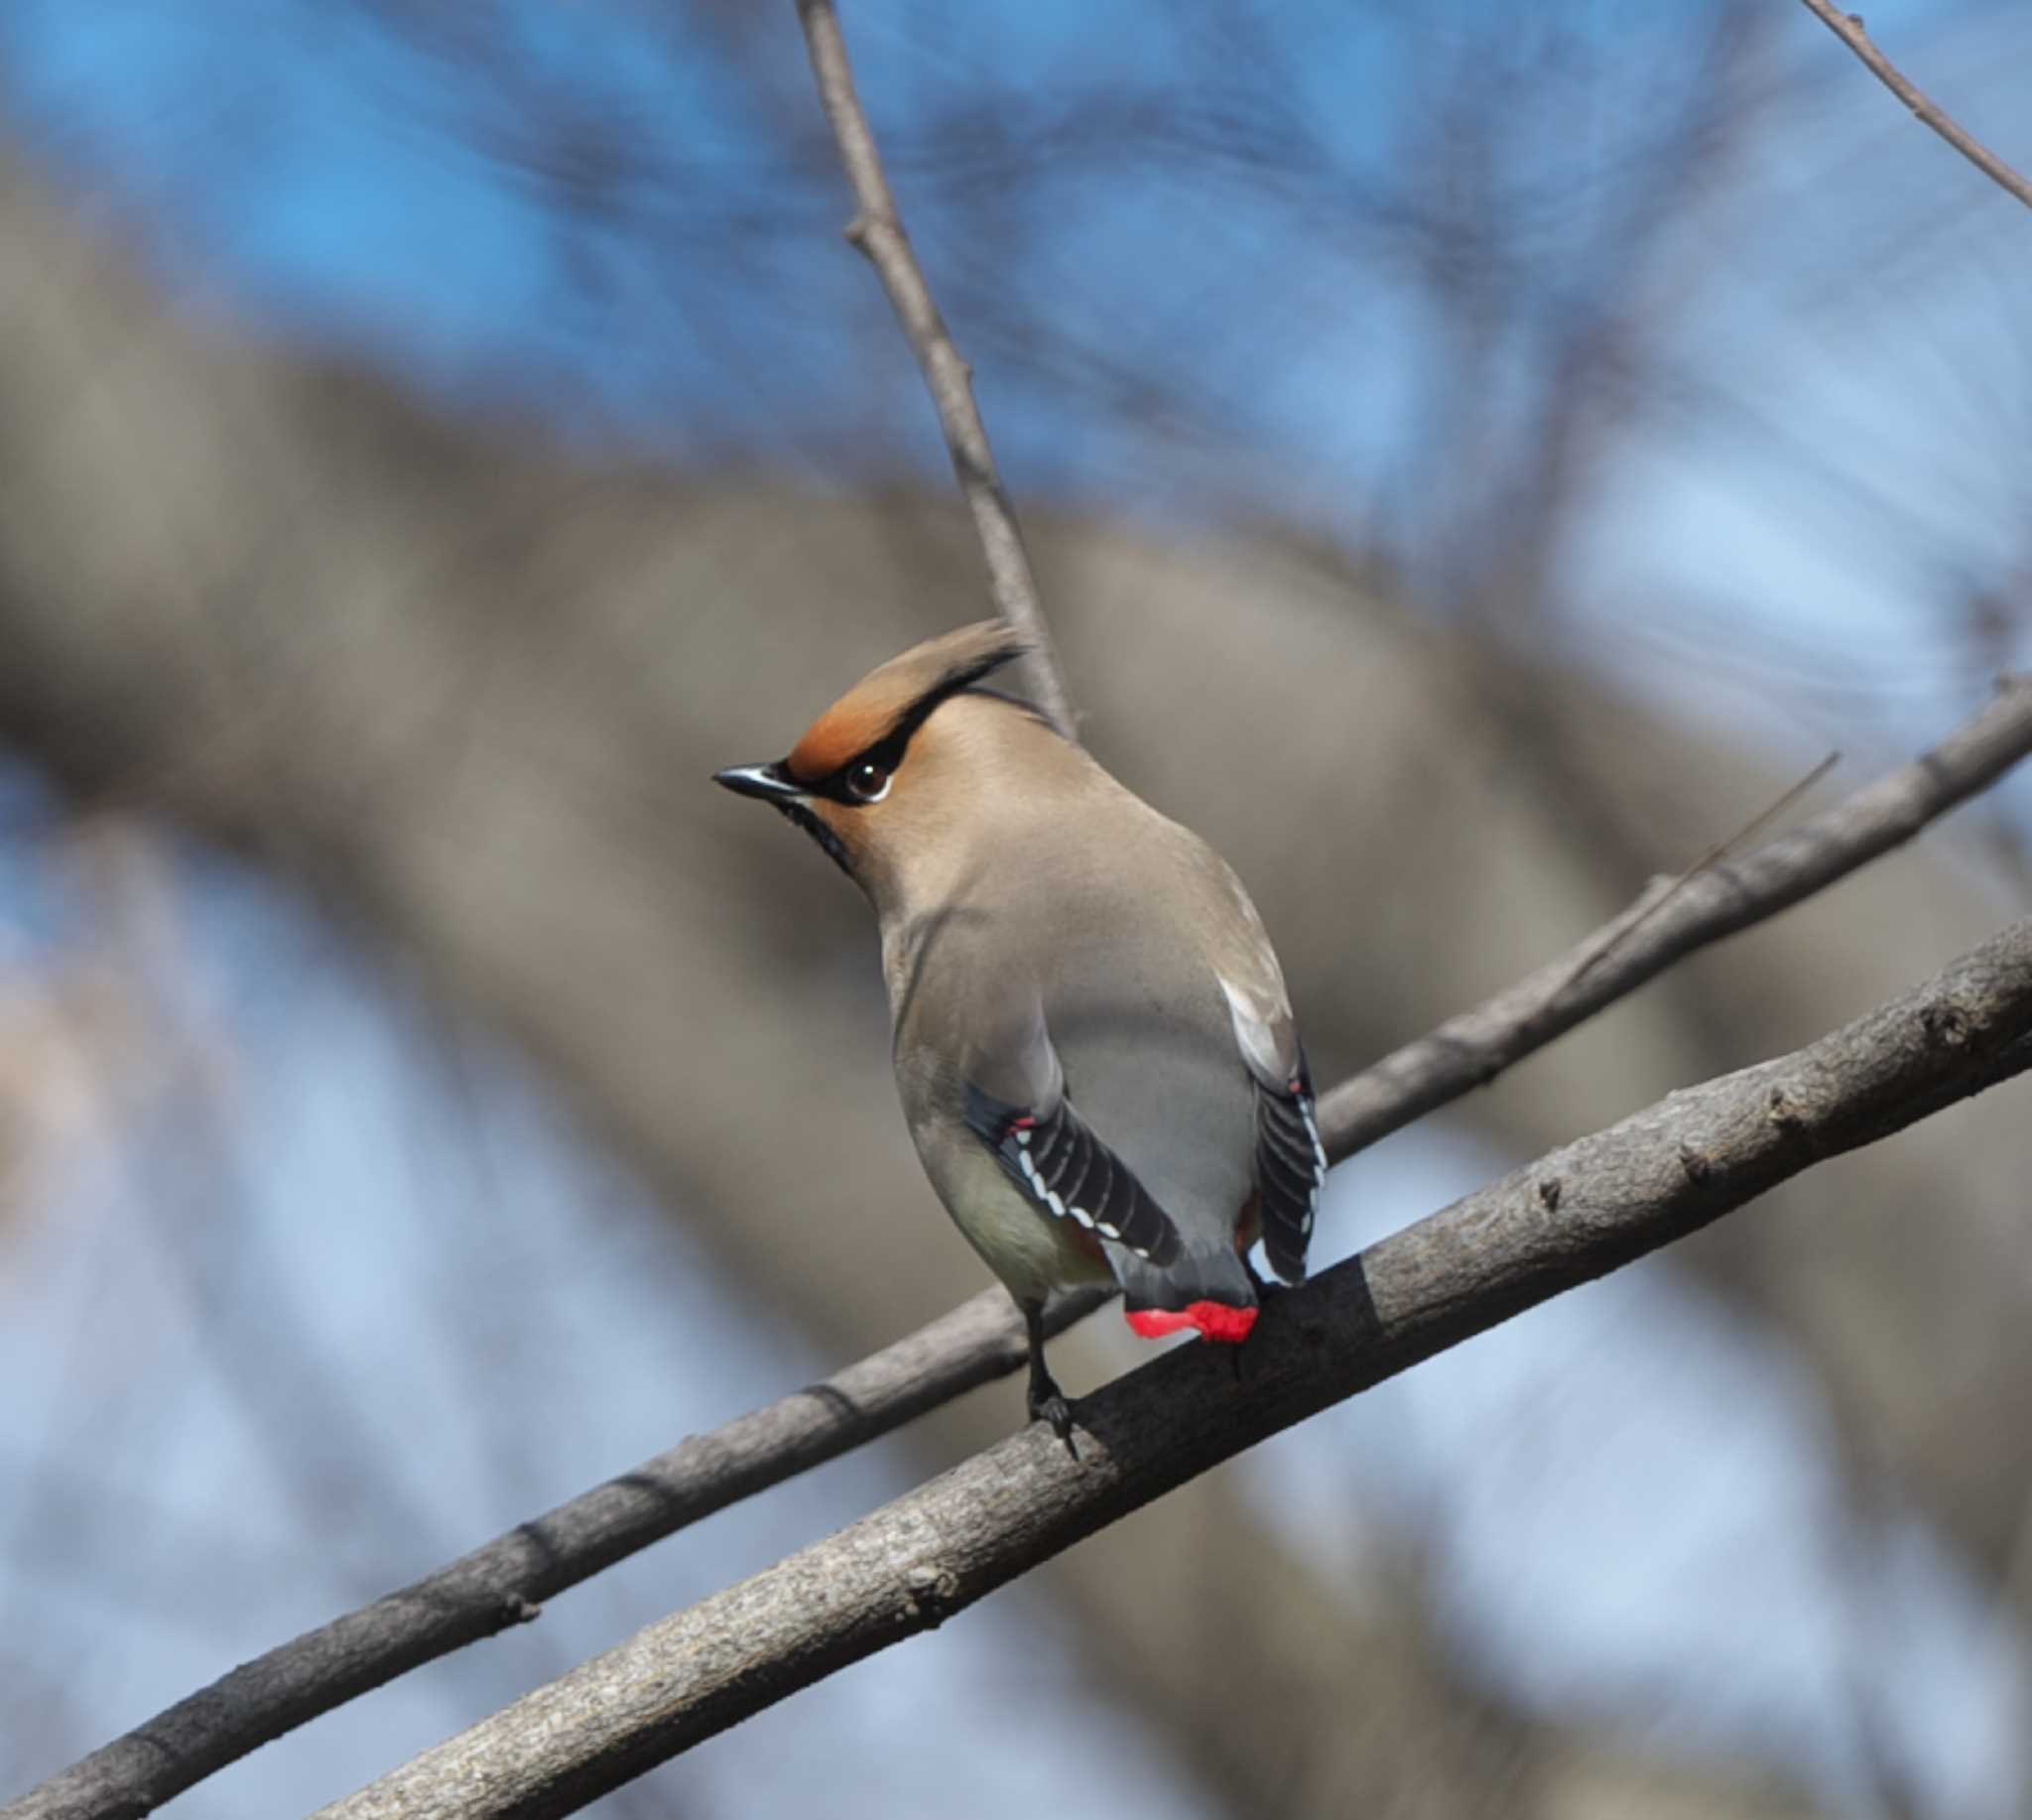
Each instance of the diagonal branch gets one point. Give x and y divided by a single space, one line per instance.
1666 891
503 1582
878 230
1472 1049
1565 1220
1849 27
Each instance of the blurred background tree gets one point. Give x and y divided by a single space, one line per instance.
1472 460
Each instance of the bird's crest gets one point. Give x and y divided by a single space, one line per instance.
893 702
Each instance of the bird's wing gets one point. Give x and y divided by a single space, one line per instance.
1289 1163
1290 1160
1016 1105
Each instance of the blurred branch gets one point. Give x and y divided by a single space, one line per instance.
502 1583
877 230
1849 27
1565 1220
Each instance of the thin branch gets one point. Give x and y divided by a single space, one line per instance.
1621 932
1565 1220
504 1582
1472 1049
877 230
1849 27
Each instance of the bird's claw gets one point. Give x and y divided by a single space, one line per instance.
1055 1410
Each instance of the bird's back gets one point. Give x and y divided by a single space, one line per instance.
1118 924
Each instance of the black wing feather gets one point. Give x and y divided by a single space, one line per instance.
1069 1174
1291 1169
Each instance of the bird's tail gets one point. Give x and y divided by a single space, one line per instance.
1208 1290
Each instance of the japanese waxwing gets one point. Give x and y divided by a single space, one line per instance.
1092 1036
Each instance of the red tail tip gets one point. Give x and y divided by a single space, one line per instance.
1216 1319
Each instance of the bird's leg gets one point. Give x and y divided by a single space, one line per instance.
1266 1290
1047 1401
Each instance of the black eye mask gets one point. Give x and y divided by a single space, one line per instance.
874 766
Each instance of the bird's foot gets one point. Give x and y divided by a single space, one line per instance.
1267 1288
1052 1407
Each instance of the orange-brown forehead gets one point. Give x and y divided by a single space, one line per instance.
850 726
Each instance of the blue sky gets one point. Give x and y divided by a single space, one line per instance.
1830 466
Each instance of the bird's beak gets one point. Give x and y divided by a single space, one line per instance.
772 783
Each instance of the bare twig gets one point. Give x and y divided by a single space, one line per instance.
1472 1050
1573 1215
1625 927
877 230
1849 27
502 1583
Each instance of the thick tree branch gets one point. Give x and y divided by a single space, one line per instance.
1565 1220
503 1582
1849 27
878 230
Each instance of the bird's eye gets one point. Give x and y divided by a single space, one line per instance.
867 782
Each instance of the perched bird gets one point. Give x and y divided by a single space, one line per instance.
1092 1036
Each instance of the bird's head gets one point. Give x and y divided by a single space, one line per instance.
882 778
